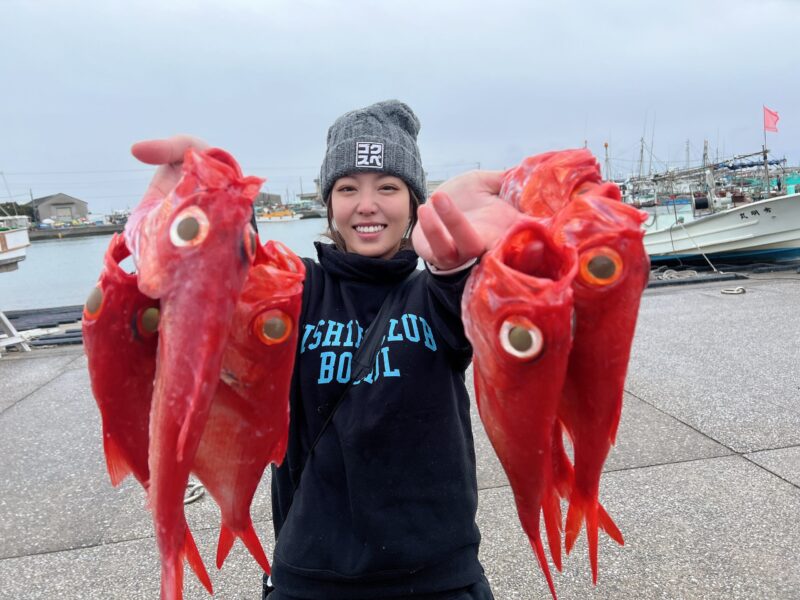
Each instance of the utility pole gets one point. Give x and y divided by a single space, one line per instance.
687 154
608 163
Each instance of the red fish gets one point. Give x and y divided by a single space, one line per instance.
192 251
249 422
565 190
612 274
120 326
542 185
517 313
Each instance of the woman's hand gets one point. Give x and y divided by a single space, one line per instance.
463 219
168 154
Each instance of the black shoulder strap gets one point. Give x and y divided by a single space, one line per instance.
364 356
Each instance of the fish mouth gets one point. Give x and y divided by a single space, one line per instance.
530 250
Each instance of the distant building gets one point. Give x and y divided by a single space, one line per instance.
269 201
59 207
430 186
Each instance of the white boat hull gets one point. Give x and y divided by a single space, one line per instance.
767 230
277 219
13 245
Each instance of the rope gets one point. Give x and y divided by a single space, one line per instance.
733 291
194 491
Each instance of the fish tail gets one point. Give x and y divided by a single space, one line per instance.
536 542
117 465
591 536
607 524
226 539
196 562
577 508
250 540
551 509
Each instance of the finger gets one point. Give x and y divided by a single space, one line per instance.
443 252
464 236
167 151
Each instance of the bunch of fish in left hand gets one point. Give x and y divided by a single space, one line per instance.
190 357
551 313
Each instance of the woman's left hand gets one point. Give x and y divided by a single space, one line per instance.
463 219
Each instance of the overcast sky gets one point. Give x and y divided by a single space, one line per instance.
491 81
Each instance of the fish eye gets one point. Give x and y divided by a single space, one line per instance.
147 321
250 242
272 326
520 338
189 228
600 266
94 304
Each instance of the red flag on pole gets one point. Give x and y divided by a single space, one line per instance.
770 120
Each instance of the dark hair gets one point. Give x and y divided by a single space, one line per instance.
338 240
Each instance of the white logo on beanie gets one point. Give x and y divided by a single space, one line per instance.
369 154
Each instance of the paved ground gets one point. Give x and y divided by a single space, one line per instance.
704 482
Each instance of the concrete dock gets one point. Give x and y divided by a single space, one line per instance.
704 482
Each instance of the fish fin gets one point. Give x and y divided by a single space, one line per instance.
574 521
226 539
536 542
196 561
117 465
563 471
607 524
591 536
551 509
250 540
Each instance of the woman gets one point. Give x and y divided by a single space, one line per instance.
385 506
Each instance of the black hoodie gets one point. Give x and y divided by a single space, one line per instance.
386 504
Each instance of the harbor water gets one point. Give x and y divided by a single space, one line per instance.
62 272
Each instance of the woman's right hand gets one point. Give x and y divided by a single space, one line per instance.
168 155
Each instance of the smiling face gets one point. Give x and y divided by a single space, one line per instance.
371 211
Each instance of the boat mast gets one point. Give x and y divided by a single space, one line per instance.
766 166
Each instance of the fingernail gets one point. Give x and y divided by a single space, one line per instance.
443 204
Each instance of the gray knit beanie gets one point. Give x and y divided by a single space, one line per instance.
381 137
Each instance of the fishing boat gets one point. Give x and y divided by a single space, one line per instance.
738 210
276 216
763 231
14 241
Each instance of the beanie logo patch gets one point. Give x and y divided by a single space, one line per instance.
369 155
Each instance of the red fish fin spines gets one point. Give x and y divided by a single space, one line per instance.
607 524
196 562
117 465
250 540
